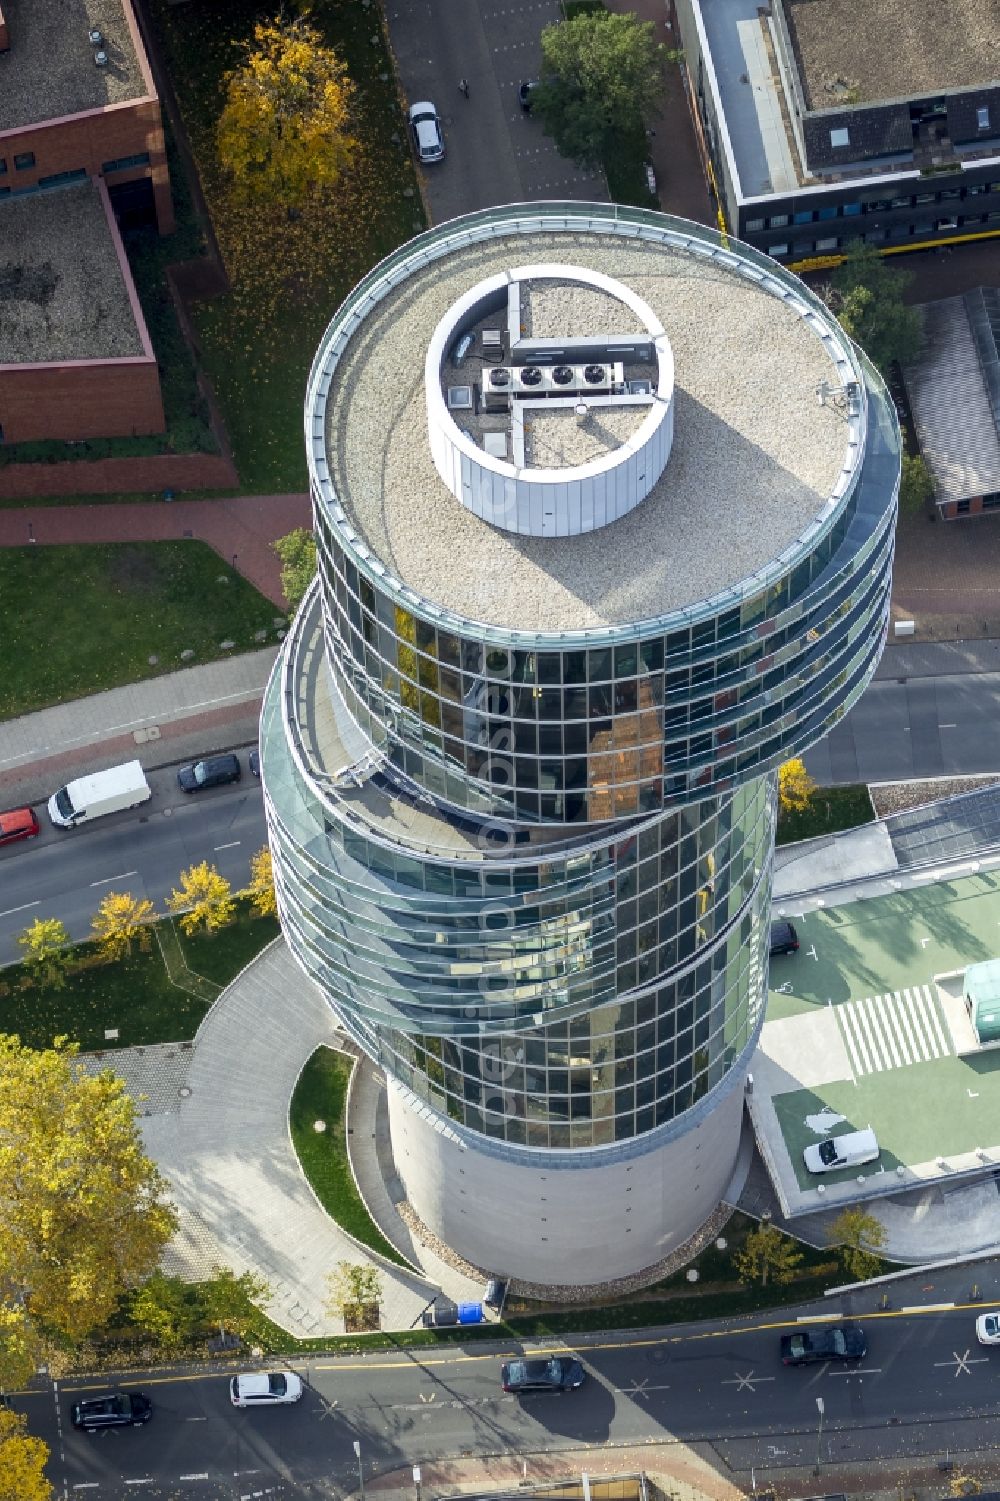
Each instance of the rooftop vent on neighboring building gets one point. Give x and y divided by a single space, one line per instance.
596 375
531 375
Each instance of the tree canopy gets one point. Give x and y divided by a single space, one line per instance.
867 296
204 899
284 131
600 72
82 1211
795 786
297 551
22 1461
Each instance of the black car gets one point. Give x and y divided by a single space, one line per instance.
111 1410
216 771
560 1374
837 1342
254 763
784 939
524 93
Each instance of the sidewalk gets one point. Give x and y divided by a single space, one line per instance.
188 713
241 530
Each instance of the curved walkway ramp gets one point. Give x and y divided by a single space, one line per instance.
227 1154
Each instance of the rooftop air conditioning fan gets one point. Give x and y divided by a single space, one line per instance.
562 375
531 375
499 376
596 375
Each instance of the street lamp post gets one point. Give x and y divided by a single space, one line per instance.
361 1468
821 1408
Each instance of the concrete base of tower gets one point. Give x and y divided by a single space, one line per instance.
573 1218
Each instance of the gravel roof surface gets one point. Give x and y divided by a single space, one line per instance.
50 71
549 308
554 439
753 460
62 295
893 49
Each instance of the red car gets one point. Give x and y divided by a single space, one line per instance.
18 823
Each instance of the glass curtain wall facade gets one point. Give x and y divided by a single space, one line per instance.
532 874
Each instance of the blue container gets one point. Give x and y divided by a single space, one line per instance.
470 1313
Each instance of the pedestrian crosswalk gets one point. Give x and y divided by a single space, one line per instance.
892 1031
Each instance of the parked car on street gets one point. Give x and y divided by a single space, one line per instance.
111 1410
524 93
560 1374
18 823
425 128
216 771
988 1329
836 1342
265 1388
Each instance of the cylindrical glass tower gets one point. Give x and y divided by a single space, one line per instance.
604 510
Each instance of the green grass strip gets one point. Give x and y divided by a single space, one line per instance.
320 1094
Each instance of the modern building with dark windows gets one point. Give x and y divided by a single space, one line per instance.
829 120
604 509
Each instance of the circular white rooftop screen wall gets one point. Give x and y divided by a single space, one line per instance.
550 400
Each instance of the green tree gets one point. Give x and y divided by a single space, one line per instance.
354 1293
601 73
915 486
766 1252
229 1301
46 952
163 1306
204 899
297 551
859 1238
22 1461
83 1217
119 920
795 786
284 131
866 294
261 887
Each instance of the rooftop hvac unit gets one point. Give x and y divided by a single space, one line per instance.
531 380
562 375
599 377
496 387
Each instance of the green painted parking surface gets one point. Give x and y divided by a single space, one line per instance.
874 961
886 943
918 1113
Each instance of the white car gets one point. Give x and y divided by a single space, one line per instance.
265 1388
988 1328
425 128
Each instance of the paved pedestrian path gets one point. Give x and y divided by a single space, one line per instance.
222 1142
242 530
190 712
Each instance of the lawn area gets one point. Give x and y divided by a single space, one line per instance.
118 605
320 1095
288 275
830 810
135 995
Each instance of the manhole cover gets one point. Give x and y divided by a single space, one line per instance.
658 1354
185 1091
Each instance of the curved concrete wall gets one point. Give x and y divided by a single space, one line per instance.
545 1217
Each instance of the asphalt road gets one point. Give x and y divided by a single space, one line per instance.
914 727
65 872
925 1386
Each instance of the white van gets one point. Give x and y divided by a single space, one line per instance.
103 792
850 1150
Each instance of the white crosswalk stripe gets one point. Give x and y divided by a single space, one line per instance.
885 1032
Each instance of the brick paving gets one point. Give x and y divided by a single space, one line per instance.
241 530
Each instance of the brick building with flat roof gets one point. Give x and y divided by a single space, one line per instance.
77 100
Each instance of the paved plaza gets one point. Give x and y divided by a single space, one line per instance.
866 1027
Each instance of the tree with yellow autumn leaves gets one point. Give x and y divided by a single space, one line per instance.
284 131
22 1461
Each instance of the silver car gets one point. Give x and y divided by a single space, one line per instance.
425 128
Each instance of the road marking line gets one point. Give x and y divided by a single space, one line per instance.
935 1018
196 1420
892 1042
851 1022
929 1308
147 1480
231 846
963 1362
847 1033
87 1485
8 913
123 877
920 1048
906 1023
921 1022
867 1370
868 1026
201 1475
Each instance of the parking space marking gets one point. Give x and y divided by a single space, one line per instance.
963 1362
747 1383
